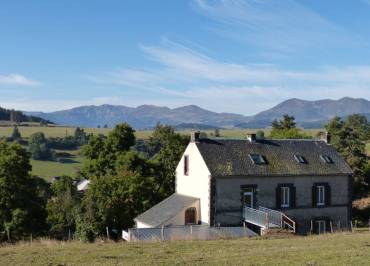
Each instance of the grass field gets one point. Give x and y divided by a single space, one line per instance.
60 131
330 249
65 166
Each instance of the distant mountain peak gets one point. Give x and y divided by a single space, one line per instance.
146 116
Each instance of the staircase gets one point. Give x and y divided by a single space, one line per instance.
267 219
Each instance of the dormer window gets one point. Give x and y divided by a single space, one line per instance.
300 158
257 158
326 159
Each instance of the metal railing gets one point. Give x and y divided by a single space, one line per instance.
265 218
288 223
256 217
192 232
275 217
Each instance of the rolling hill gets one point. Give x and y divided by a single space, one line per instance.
309 114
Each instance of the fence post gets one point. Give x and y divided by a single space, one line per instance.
162 233
31 238
191 232
107 232
69 234
331 226
339 229
311 227
351 226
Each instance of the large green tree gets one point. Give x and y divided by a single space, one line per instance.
167 147
286 129
62 207
348 137
102 153
39 149
113 201
22 196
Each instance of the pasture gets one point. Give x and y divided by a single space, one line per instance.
62 131
329 249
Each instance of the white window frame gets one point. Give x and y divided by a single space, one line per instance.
285 197
320 197
321 224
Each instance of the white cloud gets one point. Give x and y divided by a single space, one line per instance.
17 79
185 76
285 26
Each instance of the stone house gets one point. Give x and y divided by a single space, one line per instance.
301 185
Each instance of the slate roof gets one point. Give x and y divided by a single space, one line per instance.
165 210
230 157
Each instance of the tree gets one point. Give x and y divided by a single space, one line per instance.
62 207
114 201
22 196
360 124
286 129
16 116
39 149
260 134
16 135
217 133
121 138
102 153
166 147
80 136
346 138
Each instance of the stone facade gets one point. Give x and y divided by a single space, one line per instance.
228 202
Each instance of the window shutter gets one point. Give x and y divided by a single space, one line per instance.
292 196
314 196
327 224
327 195
278 197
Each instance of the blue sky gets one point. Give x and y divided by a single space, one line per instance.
238 56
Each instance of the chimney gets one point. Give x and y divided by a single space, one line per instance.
252 137
325 136
194 136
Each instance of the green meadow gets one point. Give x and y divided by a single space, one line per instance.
329 249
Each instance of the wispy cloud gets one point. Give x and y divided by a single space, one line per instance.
285 26
17 79
183 75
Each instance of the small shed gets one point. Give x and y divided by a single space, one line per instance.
175 210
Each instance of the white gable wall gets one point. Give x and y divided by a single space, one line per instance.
197 182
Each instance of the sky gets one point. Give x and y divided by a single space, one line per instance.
240 56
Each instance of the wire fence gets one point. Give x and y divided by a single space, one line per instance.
193 232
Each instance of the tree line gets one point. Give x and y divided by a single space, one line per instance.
124 183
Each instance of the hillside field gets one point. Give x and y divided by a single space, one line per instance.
62 131
329 249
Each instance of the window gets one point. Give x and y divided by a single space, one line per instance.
320 190
186 165
257 158
285 197
326 159
320 226
190 216
300 158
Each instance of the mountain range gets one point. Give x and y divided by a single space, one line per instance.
308 114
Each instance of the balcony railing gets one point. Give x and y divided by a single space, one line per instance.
266 218
275 217
256 217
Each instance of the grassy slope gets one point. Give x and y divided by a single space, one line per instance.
336 249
